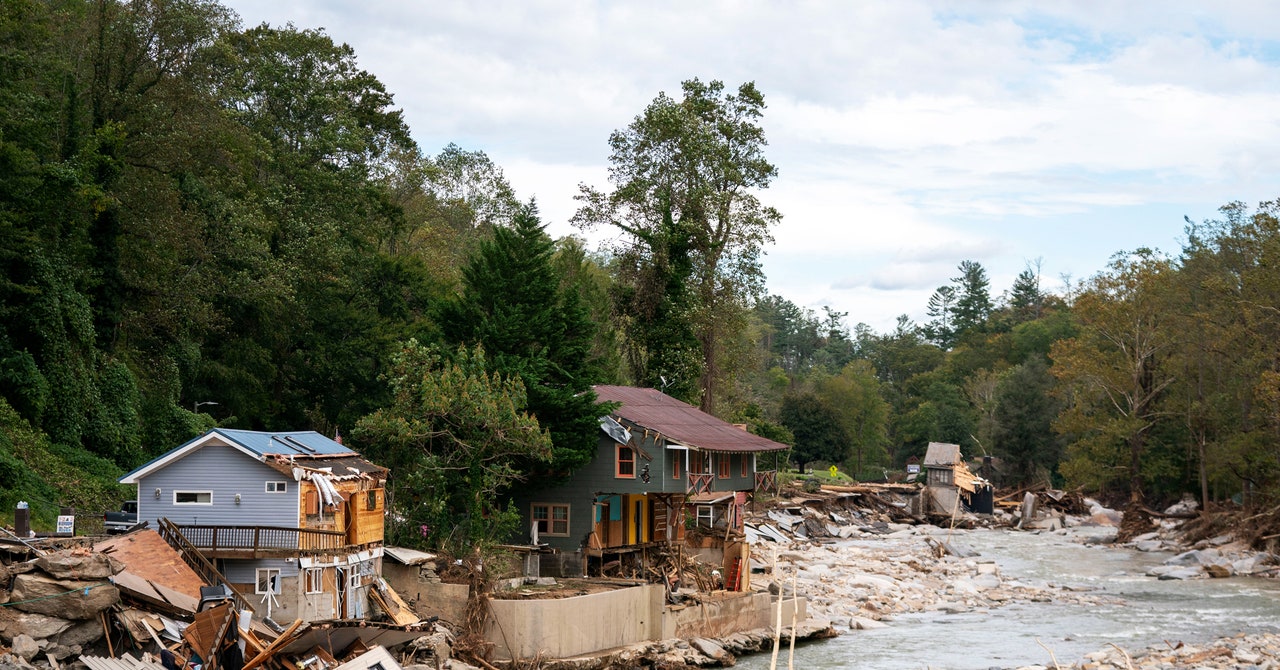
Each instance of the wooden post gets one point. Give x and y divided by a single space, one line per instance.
777 627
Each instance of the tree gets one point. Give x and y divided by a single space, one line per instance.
854 394
940 330
1112 371
533 328
452 437
816 426
1023 436
1026 299
973 299
685 174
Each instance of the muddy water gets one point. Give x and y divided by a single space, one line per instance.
1147 611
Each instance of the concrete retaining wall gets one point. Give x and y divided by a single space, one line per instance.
562 627
730 614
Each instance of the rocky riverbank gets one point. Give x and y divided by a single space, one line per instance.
1241 652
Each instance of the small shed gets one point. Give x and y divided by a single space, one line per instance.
950 481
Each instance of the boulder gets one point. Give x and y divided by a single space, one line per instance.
1217 571
25 647
863 623
1179 573
79 566
81 634
12 662
1188 505
38 626
65 599
710 649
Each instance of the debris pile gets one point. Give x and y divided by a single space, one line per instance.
54 606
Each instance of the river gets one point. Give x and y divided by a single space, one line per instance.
1147 611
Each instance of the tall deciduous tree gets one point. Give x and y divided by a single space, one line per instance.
685 175
1112 371
854 394
819 433
453 437
533 328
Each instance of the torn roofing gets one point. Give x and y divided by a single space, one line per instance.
942 453
681 422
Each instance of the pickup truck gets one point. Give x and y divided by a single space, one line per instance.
126 518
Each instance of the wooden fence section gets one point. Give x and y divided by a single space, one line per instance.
767 481
700 483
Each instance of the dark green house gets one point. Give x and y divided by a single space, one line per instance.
660 464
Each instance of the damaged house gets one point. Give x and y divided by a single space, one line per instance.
293 520
661 467
949 483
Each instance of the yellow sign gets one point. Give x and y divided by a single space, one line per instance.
834 471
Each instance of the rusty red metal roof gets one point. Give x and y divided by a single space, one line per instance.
681 422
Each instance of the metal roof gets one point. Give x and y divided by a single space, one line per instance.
304 444
942 453
681 422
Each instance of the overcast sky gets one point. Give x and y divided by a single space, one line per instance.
908 136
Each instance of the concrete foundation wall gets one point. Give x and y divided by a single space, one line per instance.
731 614
427 598
564 564
567 627
571 626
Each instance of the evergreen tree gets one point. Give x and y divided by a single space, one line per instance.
513 305
973 299
820 434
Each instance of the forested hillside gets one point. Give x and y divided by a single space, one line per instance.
206 224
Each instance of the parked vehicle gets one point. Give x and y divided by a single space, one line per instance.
126 518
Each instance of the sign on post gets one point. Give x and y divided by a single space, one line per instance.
66 524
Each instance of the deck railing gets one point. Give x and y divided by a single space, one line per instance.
261 540
700 483
767 481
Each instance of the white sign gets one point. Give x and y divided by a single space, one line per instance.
913 468
67 524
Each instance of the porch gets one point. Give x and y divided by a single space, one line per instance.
245 542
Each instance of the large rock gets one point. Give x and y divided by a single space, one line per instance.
710 649
79 566
25 647
65 599
12 662
38 626
81 634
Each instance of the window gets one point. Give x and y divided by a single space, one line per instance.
744 464
354 580
706 516
724 461
676 457
626 463
371 500
268 580
277 487
314 581
552 520
193 497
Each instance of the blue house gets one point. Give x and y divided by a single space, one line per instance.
661 465
292 520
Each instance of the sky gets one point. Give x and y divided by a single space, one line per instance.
909 136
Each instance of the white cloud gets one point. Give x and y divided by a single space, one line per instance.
909 135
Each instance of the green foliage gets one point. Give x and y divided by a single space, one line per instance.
1024 412
685 174
453 437
819 433
513 305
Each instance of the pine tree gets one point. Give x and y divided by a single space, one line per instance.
512 304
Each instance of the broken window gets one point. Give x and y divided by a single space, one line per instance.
268 580
315 583
706 516
551 519
371 500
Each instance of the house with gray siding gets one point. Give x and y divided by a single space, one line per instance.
292 520
661 466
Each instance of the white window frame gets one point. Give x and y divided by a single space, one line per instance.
710 514
354 580
257 580
176 493
276 487
313 580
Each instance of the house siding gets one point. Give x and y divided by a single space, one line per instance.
225 471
